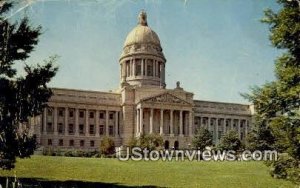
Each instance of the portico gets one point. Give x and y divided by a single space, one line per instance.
164 114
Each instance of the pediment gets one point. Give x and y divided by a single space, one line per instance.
165 98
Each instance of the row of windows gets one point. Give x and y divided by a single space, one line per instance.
82 129
81 114
227 122
71 143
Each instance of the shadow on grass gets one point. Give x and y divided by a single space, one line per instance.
45 183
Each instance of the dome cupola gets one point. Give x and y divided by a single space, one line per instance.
142 60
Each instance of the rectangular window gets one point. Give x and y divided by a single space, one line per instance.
49 142
60 112
92 143
60 128
61 142
71 113
127 68
81 129
101 129
92 129
49 127
111 116
138 67
149 67
111 130
159 69
91 114
81 143
227 123
101 115
71 129
81 114
71 143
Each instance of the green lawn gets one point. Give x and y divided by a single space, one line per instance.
164 174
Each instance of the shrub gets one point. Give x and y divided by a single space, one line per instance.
202 139
230 141
107 146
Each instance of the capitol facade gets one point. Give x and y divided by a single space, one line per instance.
142 105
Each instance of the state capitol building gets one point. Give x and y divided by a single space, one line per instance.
142 105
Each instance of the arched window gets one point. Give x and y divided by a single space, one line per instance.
176 145
166 144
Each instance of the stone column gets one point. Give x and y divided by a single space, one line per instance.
137 122
171 123
146 67
123 72
87 133
246 128
131 68
190 123
55 120
134 67
106 123
153 67
76 121
163 74
151 121
97 123
45 117
161 125
231 124
217 130
66 121
141 121
209 122
239 128
116 124
142 67
180 124
127 69
224 126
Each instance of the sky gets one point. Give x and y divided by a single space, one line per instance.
216 49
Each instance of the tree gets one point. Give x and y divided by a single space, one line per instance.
149 141
277 103
230 141
107 146
21 97
260 137
202 139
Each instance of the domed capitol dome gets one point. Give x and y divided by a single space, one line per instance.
142 60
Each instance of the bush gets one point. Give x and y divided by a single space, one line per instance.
286 168
202 139
107 146
230 141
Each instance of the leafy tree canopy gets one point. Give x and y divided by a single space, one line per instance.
202 139
23 96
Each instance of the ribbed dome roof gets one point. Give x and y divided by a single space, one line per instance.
142 40
142 34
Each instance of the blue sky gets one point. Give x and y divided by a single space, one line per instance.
216 49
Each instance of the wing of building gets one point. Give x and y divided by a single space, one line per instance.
142 105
